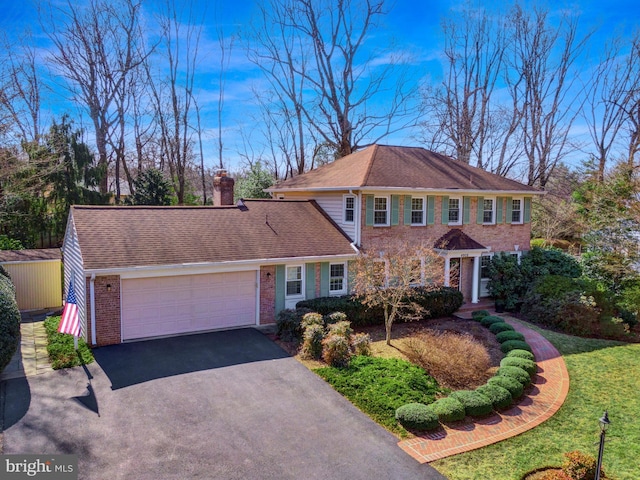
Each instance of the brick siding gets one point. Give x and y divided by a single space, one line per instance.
108 314
267 294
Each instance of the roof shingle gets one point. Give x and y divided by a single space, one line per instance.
121 237
401 167
456 239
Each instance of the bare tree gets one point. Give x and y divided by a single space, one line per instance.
316 59
611 100
461 105
96 50
542 55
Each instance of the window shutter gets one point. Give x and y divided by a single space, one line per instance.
407 209
431 210
480 216
466 210
369 210
509 209
527 210
445 210
325 272
395 209
280 288
499 204
310 280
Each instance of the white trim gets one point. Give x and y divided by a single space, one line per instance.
460 210
521 199
388 211
258 297
432 191
345 277
493 210
344 208
298 296
92 302
424 211
14 262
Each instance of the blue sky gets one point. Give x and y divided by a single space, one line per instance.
413 25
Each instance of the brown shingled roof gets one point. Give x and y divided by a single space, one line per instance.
30 255
120 237
456 239
401 167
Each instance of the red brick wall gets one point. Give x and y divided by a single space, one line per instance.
500 237
108 313
267 294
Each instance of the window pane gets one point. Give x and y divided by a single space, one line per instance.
350 202
349 207
348 216
380 211
515 211
380 218
294 287
294 273
335 284
417 217
454 210
380 203
337 270
488 211
484 266
417 203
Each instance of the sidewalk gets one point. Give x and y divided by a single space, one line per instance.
545 397
31 357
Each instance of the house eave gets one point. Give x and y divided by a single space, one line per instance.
455 191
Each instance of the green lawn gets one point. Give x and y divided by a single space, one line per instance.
61 349
604 375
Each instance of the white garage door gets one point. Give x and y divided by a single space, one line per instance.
153 307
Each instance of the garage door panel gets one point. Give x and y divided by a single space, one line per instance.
182 304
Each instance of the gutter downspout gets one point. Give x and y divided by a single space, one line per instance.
358 234
92 295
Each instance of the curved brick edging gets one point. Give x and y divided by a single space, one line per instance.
544 399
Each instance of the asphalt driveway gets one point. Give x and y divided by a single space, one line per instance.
224 405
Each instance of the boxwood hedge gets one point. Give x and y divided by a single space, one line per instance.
417 416
9 322
509 335
517 373
521 354
509 345
500 397
478 315
490 320
515 388
498 327
527 365
448 409
475 403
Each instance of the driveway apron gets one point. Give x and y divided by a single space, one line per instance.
223 405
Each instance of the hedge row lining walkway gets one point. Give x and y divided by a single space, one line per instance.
545 397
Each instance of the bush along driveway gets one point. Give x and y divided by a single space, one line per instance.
225 405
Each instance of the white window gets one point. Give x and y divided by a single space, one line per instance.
488 211
516 210
294 280
380 211
417 211
455 216
349 208
337 278
485 260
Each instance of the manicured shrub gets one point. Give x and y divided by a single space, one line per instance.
478 315
311 318
554 475
490 320
515 388
289 324
5 274
448 409
454 360
500 397
475 403
515 372
336 351
9 322
417 416
527 365
361 343
509 335
580 466
335 317
61 349
312 341
498 327
509 345
342 329
521 354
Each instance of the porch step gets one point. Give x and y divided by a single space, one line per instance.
465 310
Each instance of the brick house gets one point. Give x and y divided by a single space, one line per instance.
142 272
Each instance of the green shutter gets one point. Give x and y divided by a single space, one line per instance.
431 210
509 209
445 210
325 273
480 215
407 209
369 210
310 280
499 204
395 209
466 210
281 287
527 210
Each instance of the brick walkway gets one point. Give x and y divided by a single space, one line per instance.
544 398
31 357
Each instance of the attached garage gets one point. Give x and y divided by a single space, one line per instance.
160 306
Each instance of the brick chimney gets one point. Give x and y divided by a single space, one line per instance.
222 188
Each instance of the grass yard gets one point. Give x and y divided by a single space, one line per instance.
604 375
60 347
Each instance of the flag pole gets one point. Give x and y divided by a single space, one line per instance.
75 343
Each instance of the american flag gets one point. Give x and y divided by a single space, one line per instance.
70 322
